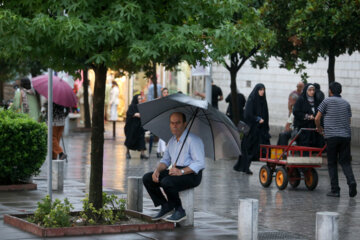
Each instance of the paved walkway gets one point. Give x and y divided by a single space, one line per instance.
287 214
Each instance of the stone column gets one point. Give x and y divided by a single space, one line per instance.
327 226
135 194
187 201
248 219
58 175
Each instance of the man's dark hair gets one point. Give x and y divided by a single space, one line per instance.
182 114
25 83
335 88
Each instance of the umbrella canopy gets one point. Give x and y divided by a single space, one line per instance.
220 136
62 92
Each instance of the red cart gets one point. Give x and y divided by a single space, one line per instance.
290 164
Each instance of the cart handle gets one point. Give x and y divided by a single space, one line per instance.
297 135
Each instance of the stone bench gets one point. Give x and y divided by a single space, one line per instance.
187 200
71 123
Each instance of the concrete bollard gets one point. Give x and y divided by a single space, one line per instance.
58 175
327 226
135 194
248 219
187 201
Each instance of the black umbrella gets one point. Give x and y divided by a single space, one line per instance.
220 136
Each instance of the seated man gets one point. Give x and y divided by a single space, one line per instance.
184 174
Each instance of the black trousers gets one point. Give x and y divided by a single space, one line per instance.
338 151
171 185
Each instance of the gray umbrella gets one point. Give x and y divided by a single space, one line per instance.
220 136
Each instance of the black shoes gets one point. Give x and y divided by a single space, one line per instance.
177 216
164 211
249 172
333 194
352 190
62 156
128 156
143 156
158 155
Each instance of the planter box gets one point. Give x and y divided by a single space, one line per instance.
18 187
19 221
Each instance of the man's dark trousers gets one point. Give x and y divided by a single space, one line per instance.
171 185
338 150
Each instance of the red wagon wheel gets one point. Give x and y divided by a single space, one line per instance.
281 178
294 177
311 178
265 176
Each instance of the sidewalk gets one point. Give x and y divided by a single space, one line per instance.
287 214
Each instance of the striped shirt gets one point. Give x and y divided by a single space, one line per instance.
337 114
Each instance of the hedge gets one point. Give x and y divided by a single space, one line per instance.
23 147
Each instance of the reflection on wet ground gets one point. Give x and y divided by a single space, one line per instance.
291 210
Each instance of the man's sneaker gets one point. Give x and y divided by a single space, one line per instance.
164 212
333 194
177 216
352 190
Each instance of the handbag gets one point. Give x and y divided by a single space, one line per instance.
243 128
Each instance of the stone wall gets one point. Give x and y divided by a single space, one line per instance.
280 82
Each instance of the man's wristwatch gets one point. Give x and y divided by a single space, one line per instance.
182 172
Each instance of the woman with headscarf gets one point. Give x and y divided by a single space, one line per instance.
26 100
256 116
134 132
304 111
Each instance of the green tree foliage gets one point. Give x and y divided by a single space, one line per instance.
240 37
128 34
307 30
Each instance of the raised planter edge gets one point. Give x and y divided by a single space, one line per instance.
17 220
18 187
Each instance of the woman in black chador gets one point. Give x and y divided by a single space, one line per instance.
304 111
134 132
257 118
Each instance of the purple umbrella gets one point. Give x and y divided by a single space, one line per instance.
62 92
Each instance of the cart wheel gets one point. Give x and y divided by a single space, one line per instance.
265 176
311 178
294 173
281 178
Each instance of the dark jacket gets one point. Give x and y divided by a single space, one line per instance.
134 132
241 104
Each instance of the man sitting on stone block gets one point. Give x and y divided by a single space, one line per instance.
173 176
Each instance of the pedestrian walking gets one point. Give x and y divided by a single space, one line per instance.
114 101
240 103
134 132
216 95
162 144
299 89
337 117
184 174
257 118
304 111
59 115
27 100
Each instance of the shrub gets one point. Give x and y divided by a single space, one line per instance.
23 146
52 214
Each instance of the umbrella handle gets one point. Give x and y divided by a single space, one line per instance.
192 121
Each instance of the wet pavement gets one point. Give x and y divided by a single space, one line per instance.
286 214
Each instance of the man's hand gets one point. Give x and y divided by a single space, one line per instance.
137 115
320 130
155 176
261 121
175 172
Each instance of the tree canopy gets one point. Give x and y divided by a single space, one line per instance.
307 30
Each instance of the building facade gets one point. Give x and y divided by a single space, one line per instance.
280 82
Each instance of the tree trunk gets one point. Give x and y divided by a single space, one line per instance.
97 138
233 87
1 91
331 66
154 79
86 99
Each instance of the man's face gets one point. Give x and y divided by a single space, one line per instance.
300 87
177 126
165 93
